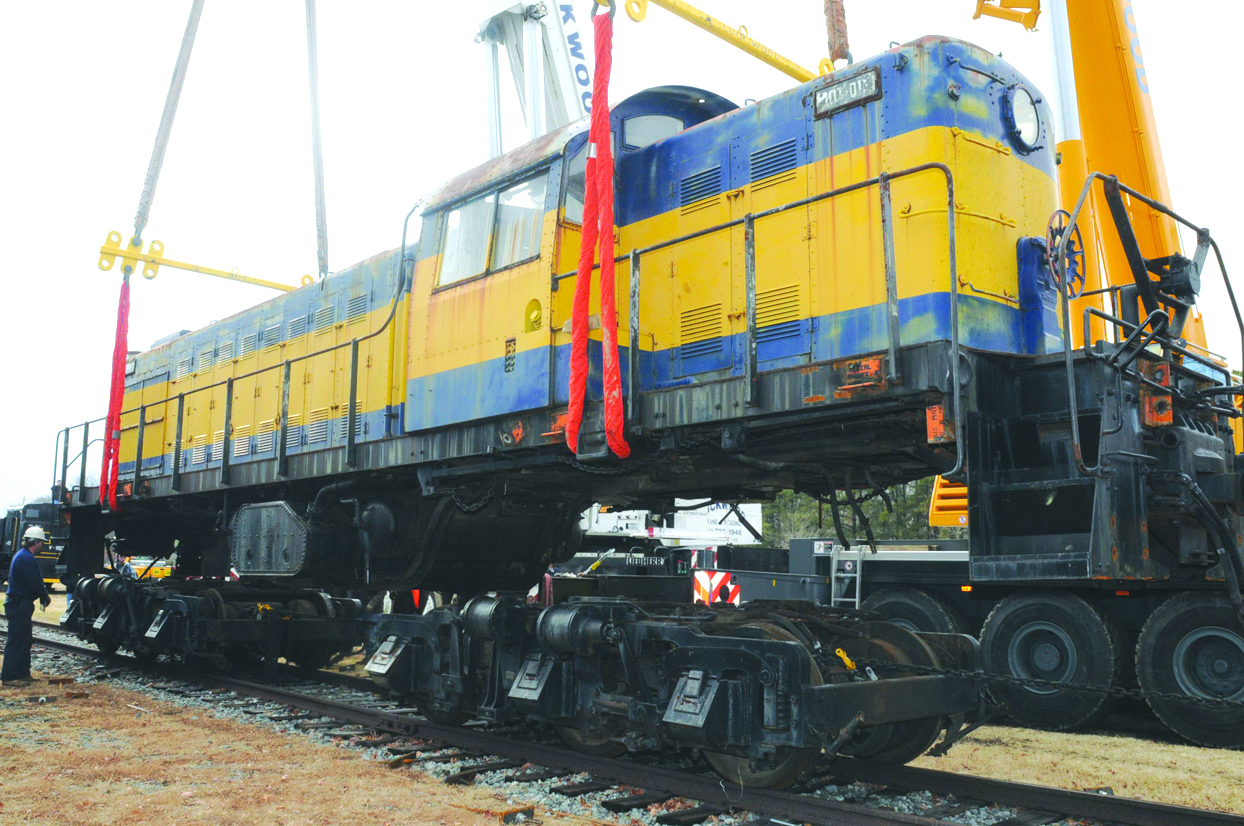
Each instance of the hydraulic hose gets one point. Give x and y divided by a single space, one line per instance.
1228 549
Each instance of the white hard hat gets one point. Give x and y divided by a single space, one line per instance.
35 532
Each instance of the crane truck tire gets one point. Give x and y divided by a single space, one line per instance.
916 610
1193 645
1054 636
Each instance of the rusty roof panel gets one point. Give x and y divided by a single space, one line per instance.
505 165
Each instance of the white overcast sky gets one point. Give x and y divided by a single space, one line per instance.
402 105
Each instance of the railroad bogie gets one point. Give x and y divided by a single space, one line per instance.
214 623
760 690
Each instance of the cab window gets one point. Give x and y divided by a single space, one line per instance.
576 179
493 232
520 221
465 249
642 130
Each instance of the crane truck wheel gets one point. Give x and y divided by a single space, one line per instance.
1058 637
1193 645
916 610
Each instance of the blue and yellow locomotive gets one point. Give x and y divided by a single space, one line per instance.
830 290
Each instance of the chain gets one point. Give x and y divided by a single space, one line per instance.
640 464
477 505
1035 682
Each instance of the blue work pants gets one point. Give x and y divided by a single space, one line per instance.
19 611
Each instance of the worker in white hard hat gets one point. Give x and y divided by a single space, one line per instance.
25 586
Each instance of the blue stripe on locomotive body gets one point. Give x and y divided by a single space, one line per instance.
480 391
913 97
452 397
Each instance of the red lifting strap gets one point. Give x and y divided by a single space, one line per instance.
112 425
597 227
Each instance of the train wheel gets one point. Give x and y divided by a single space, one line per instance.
313 655
597 745
916 610
145 654
442 717
895 743
1193 645
787 764
107 645
1058 637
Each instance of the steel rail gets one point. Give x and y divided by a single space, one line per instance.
1089 805
714 791
708 789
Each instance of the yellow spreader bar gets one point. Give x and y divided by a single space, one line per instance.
1024 12
637 10
132 258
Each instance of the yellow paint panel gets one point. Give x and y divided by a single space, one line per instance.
317 382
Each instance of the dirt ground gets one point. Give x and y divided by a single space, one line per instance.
1161 768
1153 765
102 761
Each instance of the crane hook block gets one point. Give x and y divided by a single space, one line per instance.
131 255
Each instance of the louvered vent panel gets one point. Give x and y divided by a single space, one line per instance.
317 426
356 309
217 447
697 187
298 326
224 352
701 331
242 440
206 359
774 160
358 423
325 317
293 438
265 436
777 313
198 450
183 368
270 337
248 344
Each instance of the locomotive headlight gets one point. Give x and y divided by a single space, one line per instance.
1021 118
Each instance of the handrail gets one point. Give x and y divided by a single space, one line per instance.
748 222
1203 238
1133 331
352 413
883 180
61 476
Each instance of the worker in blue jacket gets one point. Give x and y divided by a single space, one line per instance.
25 586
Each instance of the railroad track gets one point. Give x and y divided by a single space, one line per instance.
478 752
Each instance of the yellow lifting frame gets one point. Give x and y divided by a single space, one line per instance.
1024 12
637 10
132 257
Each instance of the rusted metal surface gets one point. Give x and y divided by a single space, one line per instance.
506 165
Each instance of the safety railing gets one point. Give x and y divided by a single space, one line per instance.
1157 321
62 461
751 375
286 366
748 222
